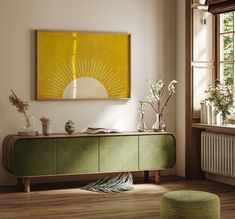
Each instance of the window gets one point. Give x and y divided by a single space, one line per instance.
226 48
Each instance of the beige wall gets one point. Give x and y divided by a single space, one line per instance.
152 26
180 95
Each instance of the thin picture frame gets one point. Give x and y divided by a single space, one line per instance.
77 65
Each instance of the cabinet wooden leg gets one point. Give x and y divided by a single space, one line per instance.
157 176
26 184
146 176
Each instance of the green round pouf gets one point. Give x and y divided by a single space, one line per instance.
186 204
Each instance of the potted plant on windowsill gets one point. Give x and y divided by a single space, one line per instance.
222 97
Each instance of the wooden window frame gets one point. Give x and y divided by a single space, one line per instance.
192 137
217 45
193 149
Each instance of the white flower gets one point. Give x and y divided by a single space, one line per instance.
171 87
155 93
159 85
142 105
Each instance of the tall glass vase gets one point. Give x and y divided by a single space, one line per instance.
159 125
221 118
156 125
224 118
141 127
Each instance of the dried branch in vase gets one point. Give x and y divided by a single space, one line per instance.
46 125
21 106
45 121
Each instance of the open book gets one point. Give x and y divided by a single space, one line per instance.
100 130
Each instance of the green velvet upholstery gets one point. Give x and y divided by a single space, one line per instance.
35 157
156 151
190 205
119 153
77 155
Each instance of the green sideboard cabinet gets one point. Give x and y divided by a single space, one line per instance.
118 154
78 155
34 157
156 151
61 154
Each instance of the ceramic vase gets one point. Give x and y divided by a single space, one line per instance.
69 127
46 129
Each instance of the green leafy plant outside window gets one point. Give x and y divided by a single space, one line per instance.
227 60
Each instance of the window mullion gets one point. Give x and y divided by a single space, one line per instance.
233 49
217 54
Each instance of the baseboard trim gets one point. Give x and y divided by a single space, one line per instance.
222 179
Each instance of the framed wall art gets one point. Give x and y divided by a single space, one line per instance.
82 65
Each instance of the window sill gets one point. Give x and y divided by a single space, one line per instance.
228 128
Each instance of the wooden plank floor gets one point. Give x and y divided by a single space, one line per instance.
142 202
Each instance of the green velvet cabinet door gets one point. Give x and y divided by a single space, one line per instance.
77 155
33 157
118 153
156 152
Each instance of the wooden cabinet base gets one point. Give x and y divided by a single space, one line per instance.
26 180
158 176
146 176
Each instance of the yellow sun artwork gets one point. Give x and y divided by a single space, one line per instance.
82 65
